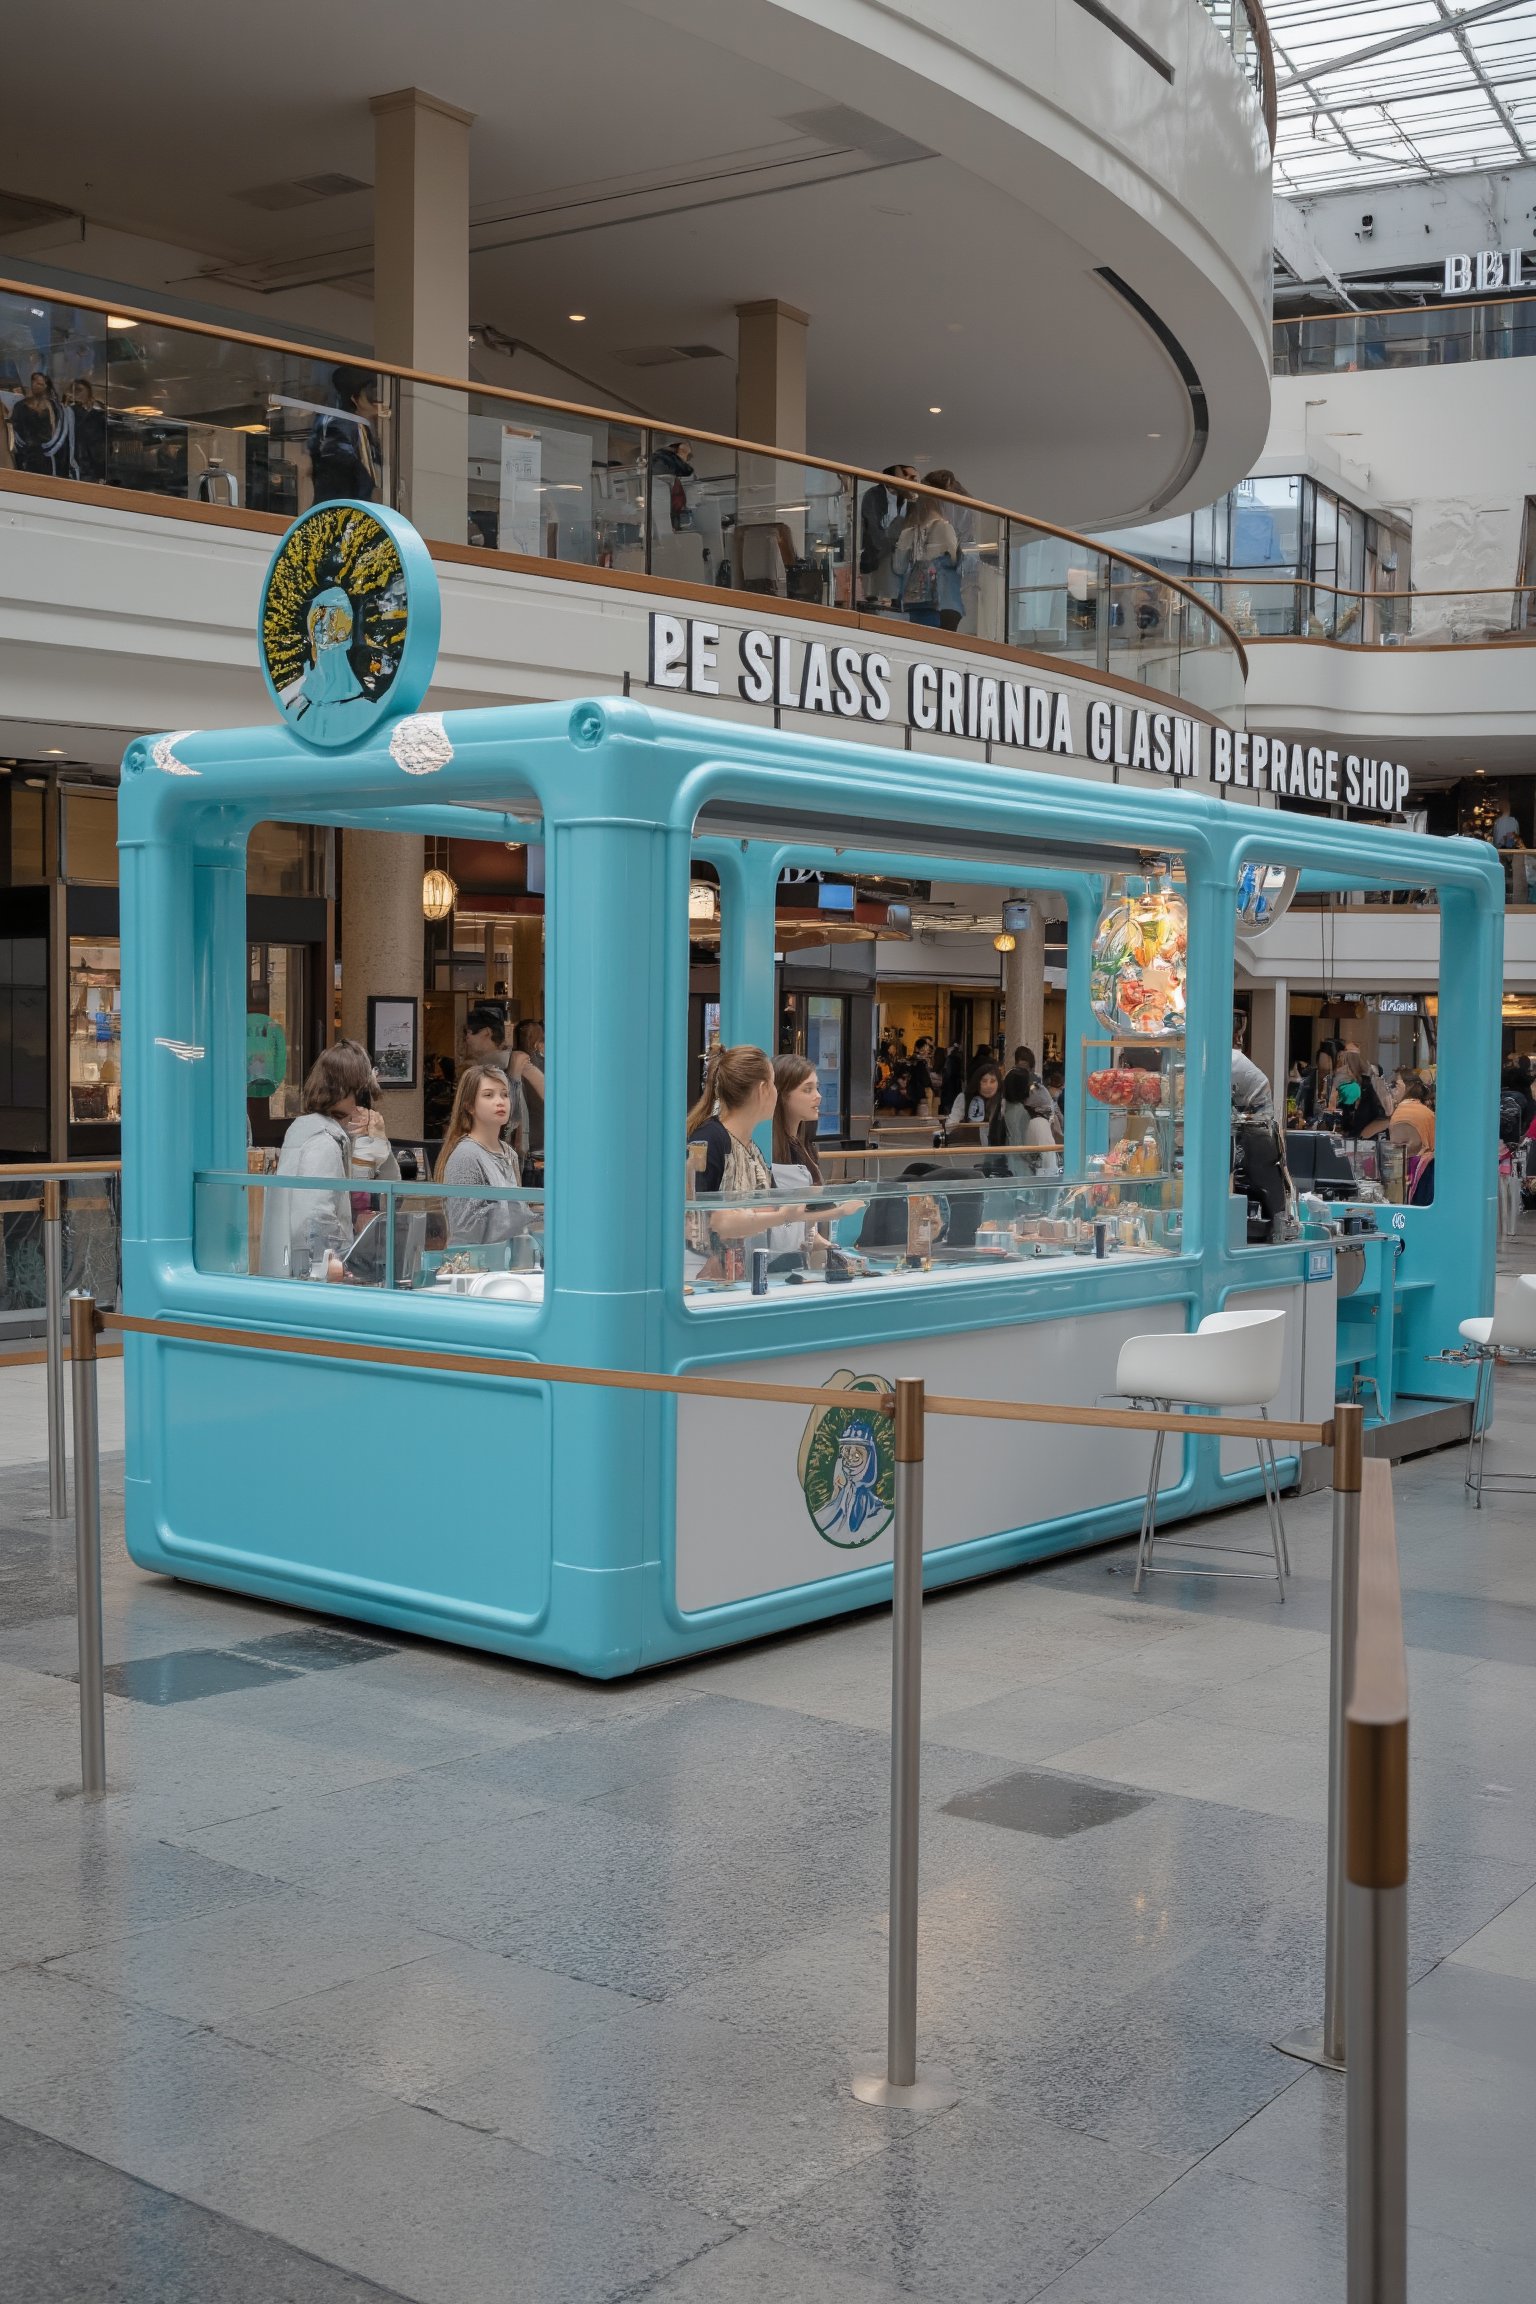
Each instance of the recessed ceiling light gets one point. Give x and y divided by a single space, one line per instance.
116 320
935 411
575 315
56 752
1480 771
1154 435
144 408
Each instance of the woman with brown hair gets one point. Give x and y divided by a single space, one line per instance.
1354 1105
304 1235
796 1161
737 1097
473 1153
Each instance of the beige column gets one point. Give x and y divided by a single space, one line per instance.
421 295
1024 989
1270 1034
770 373
770 406
381 947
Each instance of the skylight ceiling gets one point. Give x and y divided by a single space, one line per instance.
1379 91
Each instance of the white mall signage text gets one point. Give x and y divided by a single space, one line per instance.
1489 268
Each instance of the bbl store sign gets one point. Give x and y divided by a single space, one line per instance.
1488 268
850 683
698 658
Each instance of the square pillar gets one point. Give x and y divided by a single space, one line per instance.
770 406
421 296
381 947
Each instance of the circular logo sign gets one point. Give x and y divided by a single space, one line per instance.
349 622
848 1464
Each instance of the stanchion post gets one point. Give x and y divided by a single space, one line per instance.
1376 1913
53 1312
1327 2045
84 1326
901 2086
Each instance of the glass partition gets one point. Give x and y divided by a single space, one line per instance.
935 1218
1422 336
163 409
91 1206
481 1242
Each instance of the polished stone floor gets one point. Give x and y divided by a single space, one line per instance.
387 1971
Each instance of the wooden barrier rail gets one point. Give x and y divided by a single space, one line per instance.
709 1387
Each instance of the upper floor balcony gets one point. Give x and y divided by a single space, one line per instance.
1030 245
1409 336
147 464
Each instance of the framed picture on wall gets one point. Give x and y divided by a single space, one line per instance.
392 1041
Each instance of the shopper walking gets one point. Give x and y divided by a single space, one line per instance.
882 515
958 586
40 430
927 556
344 454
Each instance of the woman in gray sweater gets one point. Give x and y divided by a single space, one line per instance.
473 1153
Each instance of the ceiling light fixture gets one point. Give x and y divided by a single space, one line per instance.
116 320
576 316
1005 942
438 895
935 411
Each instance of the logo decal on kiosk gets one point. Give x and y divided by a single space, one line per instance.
847 1464
349 624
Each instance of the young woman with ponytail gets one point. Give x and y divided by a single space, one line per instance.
738 1096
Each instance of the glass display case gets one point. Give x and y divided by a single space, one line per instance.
1133 1108
934 1223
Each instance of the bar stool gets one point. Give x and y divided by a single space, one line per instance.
1508 1334
1232 1360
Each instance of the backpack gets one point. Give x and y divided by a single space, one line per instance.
1510 1117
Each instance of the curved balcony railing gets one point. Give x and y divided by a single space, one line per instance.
1284 608
1242 25
1408 336
128 400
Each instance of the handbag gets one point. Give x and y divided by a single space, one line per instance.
921 589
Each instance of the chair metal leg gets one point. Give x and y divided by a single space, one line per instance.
1272 1509
1267 1448
1477 1438
1149 1515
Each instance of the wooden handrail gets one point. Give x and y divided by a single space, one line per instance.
1376 1753
622 417
1353 592
1258 25
1394 312
880 1403
61 1168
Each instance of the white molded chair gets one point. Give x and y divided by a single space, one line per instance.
1509 1333
1232 1360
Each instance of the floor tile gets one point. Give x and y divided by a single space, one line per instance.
256 1954
732 2123
752 2270
975 2205
78 2231
1506 1946
449 2216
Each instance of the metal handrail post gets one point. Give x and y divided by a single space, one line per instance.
901 2085
84 1327
1327 2045
1376 1857
53 1310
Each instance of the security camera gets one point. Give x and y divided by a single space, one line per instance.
1367 228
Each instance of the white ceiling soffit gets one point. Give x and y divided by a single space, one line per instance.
1378 91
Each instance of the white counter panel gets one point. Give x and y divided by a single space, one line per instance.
748 1475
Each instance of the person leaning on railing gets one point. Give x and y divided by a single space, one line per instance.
926 563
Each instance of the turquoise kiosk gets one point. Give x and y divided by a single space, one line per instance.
603 1530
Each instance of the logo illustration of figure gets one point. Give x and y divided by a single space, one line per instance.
328 685
336 623
847 1465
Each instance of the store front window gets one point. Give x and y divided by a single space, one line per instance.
95 1048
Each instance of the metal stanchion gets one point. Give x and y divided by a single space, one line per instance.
901 2085
53 1306
84 1326
1324 2044
1376 1857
